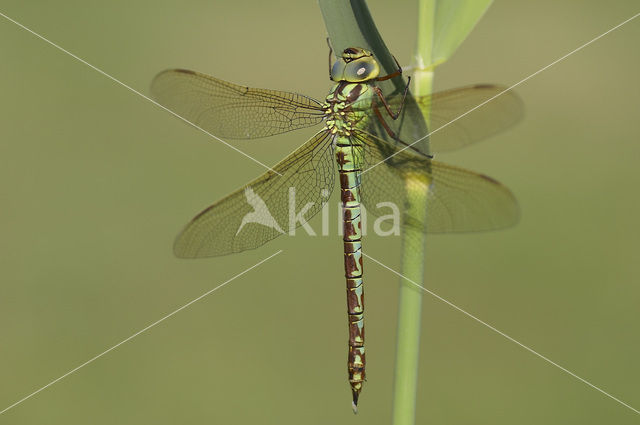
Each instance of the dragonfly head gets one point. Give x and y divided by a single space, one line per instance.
355 65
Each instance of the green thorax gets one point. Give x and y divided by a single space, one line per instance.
346 106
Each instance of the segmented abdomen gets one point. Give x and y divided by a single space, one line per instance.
349 169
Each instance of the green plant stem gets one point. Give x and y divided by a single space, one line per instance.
409 312
413 247
422 62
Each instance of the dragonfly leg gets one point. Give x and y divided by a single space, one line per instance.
330 53
384 124
393 115
388 129
393 74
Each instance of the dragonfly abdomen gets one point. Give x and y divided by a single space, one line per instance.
349 171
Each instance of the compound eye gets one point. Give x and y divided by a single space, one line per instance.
361 71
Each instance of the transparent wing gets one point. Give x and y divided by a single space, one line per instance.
259 211
458 200
232 111
453 126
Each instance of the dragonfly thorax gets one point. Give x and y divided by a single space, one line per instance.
342 116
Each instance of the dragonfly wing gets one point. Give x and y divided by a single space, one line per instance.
232 111
460 124
260 211
458 200
461 116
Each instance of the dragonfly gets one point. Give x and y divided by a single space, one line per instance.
372 167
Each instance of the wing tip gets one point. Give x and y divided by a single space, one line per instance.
184 71
160 75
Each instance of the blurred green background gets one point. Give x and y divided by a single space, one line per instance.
96 182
